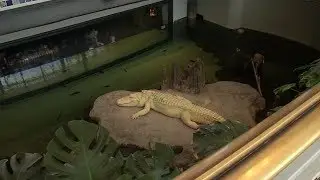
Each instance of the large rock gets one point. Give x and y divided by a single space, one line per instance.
234 101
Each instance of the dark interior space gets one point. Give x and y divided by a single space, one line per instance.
235 48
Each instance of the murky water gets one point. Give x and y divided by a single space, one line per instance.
47 82
31 112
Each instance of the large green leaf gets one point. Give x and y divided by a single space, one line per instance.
21 166
211 138
284 88
312 64
83 151
311 74
152 165
311 77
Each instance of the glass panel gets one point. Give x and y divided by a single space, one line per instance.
5 3
53 59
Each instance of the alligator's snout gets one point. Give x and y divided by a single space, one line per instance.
123 101
126 102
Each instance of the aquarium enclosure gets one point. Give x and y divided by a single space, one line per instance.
81 50
156 89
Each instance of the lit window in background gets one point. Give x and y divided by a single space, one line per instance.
152 12
4 3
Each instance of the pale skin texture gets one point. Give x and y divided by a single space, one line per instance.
174 112
144 111
147 100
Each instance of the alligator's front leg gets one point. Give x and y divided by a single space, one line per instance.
186 118
144 111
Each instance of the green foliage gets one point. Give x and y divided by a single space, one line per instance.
311 76
83 151
152 165
284 88
211 138
21 166
307 79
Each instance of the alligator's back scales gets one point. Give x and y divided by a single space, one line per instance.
198 113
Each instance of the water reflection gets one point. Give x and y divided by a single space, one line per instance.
39 63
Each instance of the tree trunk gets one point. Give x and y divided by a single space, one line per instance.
1 87
188 79
85 61
63 65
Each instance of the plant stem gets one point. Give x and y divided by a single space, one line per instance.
295 90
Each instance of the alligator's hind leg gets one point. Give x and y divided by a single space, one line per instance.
143 112
186 118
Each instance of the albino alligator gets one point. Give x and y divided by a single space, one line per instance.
170 105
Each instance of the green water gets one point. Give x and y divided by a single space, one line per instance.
28 125
97 57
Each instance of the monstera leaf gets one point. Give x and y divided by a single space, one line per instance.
83 151
154 165
211 138
21 166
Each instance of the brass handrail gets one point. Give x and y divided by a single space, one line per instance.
234 151
278 153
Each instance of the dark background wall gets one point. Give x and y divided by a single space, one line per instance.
296 20
284 32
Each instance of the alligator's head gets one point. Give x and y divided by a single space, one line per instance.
136 99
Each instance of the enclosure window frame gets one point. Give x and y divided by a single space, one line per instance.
100 68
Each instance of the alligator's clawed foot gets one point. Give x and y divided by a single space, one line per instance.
195 127
195 155
135 116
197 130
